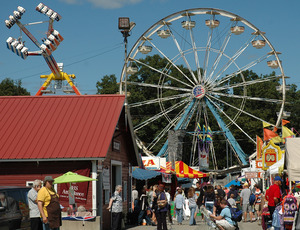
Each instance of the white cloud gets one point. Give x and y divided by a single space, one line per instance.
106 4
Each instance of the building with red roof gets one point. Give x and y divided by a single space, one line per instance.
51 135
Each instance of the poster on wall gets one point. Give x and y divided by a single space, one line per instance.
80 189
270 155
106 179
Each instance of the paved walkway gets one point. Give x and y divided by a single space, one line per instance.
200 226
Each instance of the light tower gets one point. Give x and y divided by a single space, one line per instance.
46 49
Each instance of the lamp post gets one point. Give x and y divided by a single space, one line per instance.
125 26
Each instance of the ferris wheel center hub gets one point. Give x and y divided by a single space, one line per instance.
199 91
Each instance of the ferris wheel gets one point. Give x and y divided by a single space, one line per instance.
198 76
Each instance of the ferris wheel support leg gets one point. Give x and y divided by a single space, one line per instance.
180 125
237 148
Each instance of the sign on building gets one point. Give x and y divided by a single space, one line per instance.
154 163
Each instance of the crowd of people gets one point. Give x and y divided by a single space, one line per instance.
153 204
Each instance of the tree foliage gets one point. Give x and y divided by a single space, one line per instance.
10 88
107 85
262 109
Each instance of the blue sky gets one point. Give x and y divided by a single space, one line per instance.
93 45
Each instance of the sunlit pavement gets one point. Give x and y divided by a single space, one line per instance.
198 226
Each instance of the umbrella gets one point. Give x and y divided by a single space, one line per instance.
71 177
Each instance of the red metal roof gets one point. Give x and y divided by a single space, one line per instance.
59 127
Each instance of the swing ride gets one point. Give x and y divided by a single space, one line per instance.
46 49
199 85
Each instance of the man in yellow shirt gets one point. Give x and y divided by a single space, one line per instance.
48 204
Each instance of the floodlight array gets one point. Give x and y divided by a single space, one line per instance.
17 47
51 43
48 12
17 14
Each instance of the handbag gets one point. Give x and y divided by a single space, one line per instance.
161 203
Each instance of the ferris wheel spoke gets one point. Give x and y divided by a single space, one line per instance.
159 71
195 55
235 56
207 52
160 114
157 100
183 56
219 56
246 67
233 122
248 97
157 86
247 83
238 109
163 133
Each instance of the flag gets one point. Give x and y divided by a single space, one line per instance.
266 124
199 135
204 132
209 135
286 132
259 144
269 134
284 122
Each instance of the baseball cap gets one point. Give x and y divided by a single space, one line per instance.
277 178
48 178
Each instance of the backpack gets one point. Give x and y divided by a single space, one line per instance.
252 199
289 208
236 214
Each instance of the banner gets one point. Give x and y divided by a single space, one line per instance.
80 189
204 160
270 155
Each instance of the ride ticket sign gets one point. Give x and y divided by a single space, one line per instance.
270 155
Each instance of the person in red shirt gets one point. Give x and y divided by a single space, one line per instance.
273 195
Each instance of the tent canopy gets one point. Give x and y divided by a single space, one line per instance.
293 158
182 170
142 174
70 177
233 182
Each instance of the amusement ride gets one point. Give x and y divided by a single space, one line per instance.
205 52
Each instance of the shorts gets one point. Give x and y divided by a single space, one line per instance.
247 208
257 207
225 224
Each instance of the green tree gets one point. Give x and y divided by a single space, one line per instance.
10 88
107 85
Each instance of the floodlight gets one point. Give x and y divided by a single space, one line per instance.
124 23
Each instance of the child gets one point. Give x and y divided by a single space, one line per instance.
231 201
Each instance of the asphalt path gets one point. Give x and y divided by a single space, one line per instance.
200 225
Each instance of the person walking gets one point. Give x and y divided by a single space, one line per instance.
144 206
116 207
192 198
179 204
257 203
209 198
246 207
34 213
161 208
48 204
273 195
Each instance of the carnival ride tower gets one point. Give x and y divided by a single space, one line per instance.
46 49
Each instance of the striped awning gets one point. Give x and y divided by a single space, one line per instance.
182 170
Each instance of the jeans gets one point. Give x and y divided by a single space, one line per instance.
192 219
46 227
179 213
143 213
209 206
